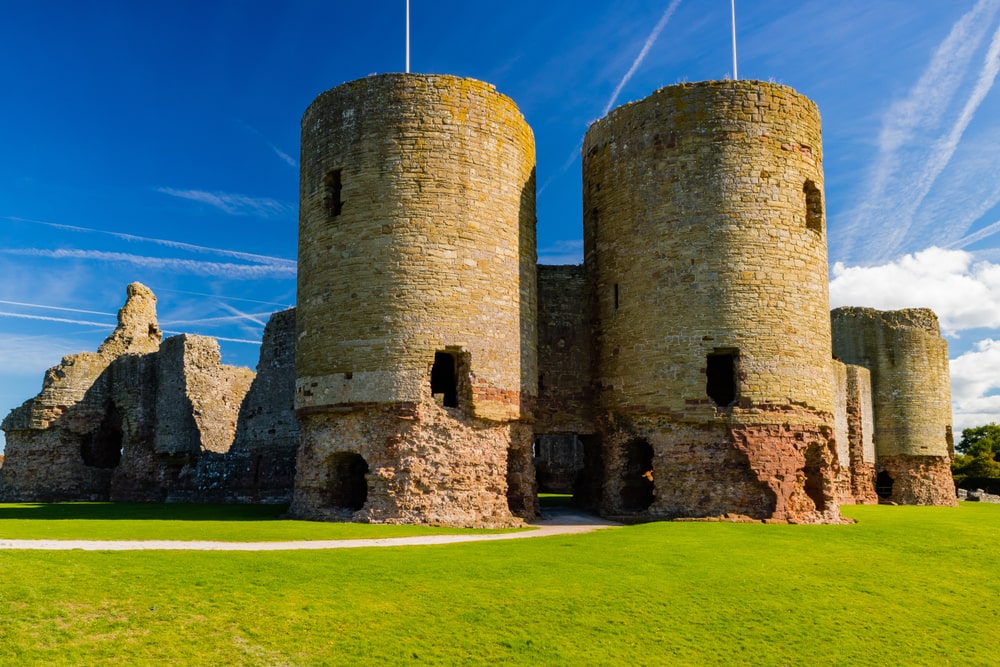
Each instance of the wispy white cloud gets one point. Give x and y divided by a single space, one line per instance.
33 355
234 204
217 269
975 379
285 157
912 139
179 245
965 294
562 252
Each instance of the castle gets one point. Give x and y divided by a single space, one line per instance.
432 373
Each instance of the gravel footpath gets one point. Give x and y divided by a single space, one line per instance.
559 522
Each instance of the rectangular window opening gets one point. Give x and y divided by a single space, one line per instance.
814 207
444 379
720 372
332 186
616 296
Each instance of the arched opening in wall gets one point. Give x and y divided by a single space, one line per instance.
883 485
720 376
444 379
814 206
814 477
638 488
348 481
103 449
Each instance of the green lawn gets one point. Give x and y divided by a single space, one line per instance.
152 521
903 586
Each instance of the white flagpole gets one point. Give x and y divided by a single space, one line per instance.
732 5
407 36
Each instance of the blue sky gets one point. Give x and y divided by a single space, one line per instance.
158 142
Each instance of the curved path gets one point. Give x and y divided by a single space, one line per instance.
555 522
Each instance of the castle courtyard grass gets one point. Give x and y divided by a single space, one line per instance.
903 586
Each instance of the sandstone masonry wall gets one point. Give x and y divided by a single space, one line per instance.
416 236
416 301
911 396
705 247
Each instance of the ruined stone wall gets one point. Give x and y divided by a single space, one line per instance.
854 428
260 466
911 395
130 422
565 356
65 443
416 293
705 247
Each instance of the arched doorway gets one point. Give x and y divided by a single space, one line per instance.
348 481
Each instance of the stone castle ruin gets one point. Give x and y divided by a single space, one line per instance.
432 373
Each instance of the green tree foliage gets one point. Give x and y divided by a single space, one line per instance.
978 452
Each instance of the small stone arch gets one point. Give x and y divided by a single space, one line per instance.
347 486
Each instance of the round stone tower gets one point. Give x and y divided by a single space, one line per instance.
416 315
705 247
911 393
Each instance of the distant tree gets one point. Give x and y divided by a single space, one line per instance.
978 452
981 441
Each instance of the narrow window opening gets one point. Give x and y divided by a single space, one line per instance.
616 296
348 486
814 207
883 485
638 489
332 187
720 372
444 380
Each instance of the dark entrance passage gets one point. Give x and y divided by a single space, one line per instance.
444 379
568 470
883 485
637 492
348 481
103 449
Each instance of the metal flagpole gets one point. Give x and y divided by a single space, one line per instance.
732 5
407 36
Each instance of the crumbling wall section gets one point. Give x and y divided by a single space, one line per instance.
197 406
403 468
854 429
65 443
260 466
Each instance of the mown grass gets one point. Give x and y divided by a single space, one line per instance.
153 521
903 586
